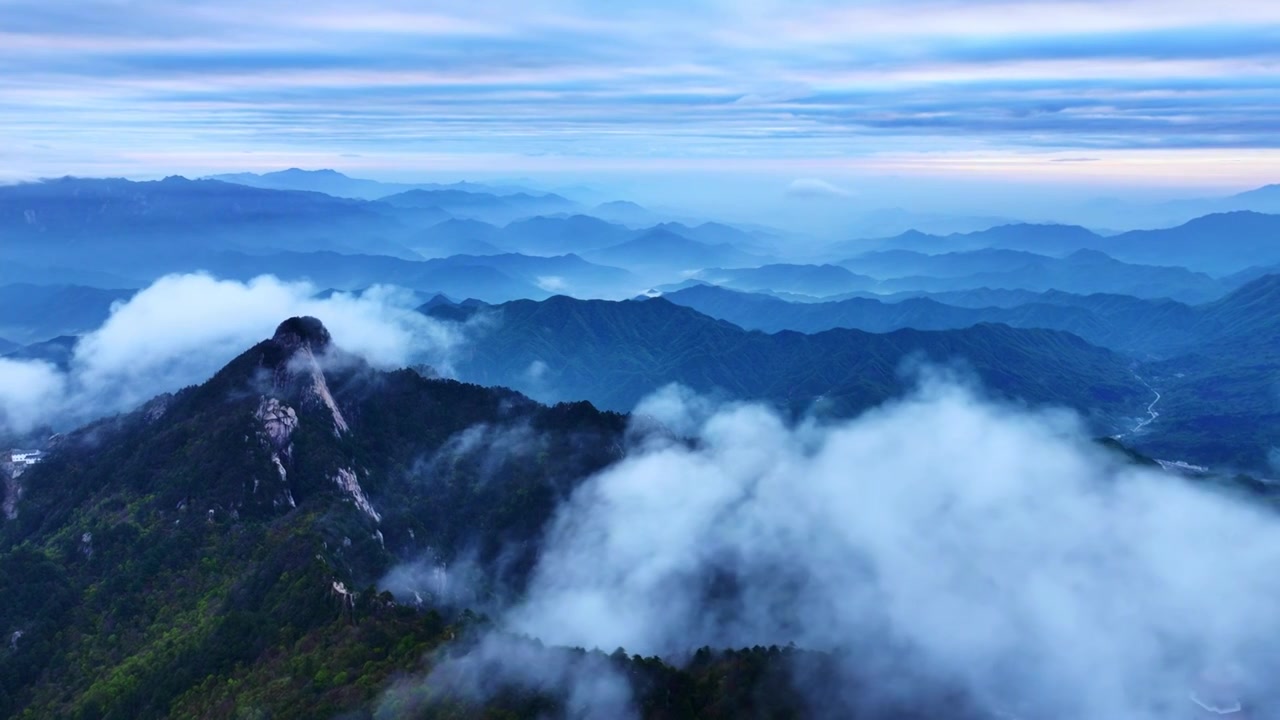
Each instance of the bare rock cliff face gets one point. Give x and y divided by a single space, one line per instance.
9 474
306 344
277 422
301 350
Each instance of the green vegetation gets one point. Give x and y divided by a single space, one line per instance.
162 565
614 354
153 570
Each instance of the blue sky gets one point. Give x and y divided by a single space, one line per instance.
1160 93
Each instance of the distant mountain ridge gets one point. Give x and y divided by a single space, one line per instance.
1044 239
1215 365
1082 272
906 263
1137 215
558 235
495 278
131 228
1243 323
332 182
31 313
625 212
1216 243
489 207
784 277
660 248
905 272
615 353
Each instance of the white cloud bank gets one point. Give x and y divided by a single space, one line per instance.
183 328
1001 545
815 188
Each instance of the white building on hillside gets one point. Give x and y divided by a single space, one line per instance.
31 457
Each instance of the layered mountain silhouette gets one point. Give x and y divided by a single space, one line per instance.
132 231
811 279
616 353
560 235
1212 363
495 278
485 206
661 249
31 313
1083 272
332 182
902 271
1221 243
1139 327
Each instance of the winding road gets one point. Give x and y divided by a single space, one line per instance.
1151 410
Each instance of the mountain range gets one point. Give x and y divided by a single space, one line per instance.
219 553
29 313
1219 243
616 353
303 535
784 277
1240 323
119 233
332 182
484 206
1213 364
496 278
128 228
1082 272
661 249
1138 215
892 272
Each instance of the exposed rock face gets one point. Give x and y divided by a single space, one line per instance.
278 423
155 408
297 332
345 596
9 474
350 484
299 352
304 341
320 391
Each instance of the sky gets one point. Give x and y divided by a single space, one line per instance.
1172 94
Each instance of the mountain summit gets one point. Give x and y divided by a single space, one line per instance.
224 527
307 331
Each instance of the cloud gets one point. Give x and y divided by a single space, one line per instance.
657 83
551 283
491 448
183 328
536 371
815 188
677 408
999 545
27 388
586 684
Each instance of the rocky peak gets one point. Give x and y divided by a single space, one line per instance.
299 345
304 331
